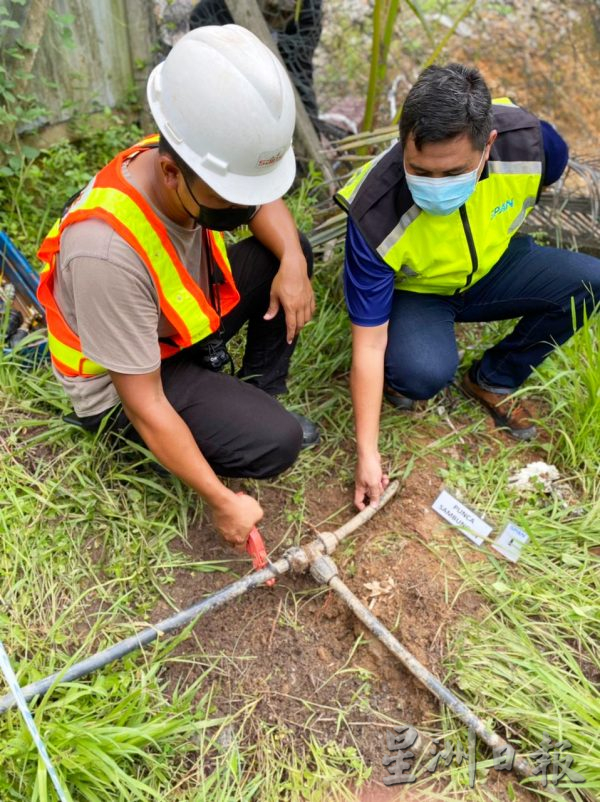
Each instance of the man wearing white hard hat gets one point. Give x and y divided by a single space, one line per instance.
142 294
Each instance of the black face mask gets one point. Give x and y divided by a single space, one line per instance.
225 219
219 219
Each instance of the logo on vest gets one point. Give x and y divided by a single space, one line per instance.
508 204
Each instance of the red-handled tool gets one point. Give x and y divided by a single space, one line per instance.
255 546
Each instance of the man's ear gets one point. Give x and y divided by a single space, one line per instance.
491 139
169 170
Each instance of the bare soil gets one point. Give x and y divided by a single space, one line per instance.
294 647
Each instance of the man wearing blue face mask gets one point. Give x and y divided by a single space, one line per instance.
432 240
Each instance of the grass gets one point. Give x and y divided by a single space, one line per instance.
87 554
116 734
533 660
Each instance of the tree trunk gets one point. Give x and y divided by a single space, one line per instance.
308 148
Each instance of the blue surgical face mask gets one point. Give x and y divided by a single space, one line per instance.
442 196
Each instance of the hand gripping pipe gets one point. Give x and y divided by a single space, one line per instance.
294 559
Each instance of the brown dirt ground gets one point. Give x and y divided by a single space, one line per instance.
545 55
291 646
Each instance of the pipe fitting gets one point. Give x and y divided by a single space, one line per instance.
297 560
329 541
323 569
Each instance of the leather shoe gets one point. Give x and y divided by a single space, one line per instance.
508 412
397 400
310 431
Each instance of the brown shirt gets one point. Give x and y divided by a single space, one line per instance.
108 298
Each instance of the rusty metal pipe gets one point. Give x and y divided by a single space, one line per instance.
295 559
324 570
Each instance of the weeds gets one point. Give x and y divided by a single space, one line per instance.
86 531
534 659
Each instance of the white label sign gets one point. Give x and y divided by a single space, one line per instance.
471 525
510 542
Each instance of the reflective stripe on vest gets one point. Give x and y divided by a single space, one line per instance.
504 101
109 197
349 190
446 254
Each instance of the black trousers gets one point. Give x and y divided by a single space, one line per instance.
241 429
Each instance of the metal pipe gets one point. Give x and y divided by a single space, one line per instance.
296 559
362 517
314 556
148 635
324 570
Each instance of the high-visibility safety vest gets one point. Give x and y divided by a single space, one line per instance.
111 198
447 254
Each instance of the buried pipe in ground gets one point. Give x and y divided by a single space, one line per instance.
147 636
324 571
295 559
314 557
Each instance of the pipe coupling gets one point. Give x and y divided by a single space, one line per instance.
323 569
297 560
328 540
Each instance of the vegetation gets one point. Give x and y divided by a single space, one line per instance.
86 532
91 549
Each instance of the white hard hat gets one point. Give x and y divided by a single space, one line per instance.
226 106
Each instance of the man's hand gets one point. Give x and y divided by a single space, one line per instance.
274 226
291 289
235 517
370 481
168 437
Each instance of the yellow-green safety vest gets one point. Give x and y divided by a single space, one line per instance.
446 254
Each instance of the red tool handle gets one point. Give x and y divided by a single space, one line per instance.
255 546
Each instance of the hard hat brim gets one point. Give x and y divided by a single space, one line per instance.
250 190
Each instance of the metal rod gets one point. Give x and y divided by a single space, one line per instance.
328 574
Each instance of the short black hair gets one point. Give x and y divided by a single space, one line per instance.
446 102
164 146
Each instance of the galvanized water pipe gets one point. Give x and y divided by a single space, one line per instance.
147 636
293 559
314 557
325 571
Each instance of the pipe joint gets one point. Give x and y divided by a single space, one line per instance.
323 569
329 541
297 560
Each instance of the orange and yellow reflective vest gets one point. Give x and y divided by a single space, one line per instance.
111 198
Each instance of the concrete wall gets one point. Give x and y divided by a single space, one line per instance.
114 44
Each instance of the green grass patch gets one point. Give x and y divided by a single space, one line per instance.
86 534
533 661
